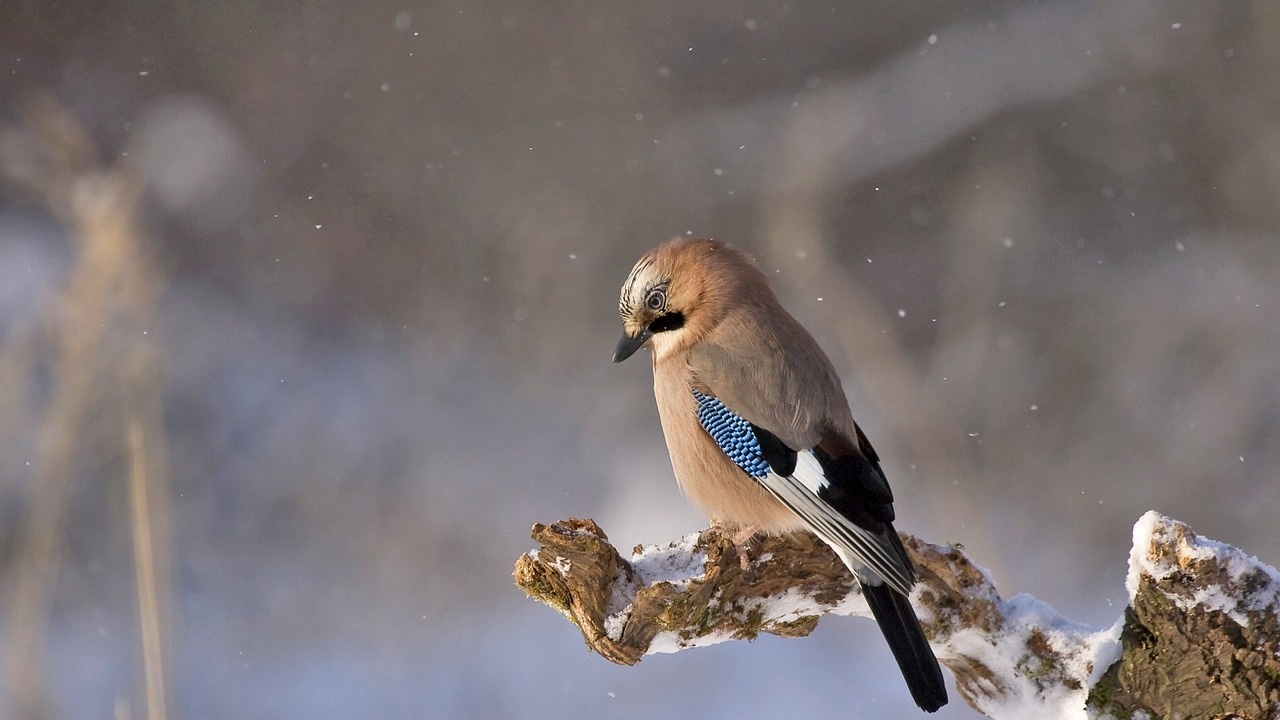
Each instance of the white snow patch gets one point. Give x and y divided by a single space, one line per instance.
1083 655
786 607
678 564
621 602
852 605
1156 529
667 642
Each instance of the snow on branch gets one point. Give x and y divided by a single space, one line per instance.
1199 639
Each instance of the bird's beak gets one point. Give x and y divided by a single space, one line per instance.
628 345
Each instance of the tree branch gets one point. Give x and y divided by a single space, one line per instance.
1200 637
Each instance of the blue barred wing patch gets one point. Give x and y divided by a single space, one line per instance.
733 434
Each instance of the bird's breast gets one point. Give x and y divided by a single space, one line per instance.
716 486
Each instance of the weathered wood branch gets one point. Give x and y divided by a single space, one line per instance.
1199 639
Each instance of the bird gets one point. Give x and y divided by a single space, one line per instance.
760 434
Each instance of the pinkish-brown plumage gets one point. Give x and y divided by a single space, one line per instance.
759 431
739 345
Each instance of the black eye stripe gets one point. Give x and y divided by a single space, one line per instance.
669 321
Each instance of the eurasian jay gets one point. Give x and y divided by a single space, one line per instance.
759 430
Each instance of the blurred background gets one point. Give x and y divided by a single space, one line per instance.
306 312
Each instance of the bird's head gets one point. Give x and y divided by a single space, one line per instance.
677 292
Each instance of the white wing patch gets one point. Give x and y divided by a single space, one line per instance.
866 554
809 472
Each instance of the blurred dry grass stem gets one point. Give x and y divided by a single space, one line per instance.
145 567
98 341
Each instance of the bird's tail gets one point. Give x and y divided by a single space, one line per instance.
915 658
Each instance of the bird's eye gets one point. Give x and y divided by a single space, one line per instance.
655 300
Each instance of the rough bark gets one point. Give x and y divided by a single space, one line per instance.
1199 639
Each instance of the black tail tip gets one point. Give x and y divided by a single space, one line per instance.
928 690
933 702
927 687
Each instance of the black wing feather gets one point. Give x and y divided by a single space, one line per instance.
781 458
857 489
